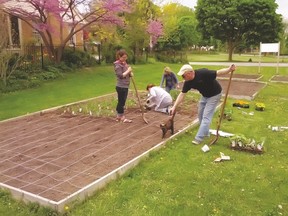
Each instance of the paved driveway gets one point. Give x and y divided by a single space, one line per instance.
252 64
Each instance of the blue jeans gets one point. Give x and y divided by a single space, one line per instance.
206 110
169 88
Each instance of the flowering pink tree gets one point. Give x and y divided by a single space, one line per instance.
155 30
38 14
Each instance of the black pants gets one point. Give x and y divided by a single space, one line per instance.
122 96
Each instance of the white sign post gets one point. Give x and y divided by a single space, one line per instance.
269 47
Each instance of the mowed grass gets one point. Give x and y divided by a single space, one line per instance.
96 81
85 83
245 57
182 180
179 179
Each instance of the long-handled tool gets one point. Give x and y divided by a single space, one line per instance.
141 107
222 110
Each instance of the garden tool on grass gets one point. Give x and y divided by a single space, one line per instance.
222 110
141 107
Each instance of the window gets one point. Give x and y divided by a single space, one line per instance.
37 37
14 36
72 41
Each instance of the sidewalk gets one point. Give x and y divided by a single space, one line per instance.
253 64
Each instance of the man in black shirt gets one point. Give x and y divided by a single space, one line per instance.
205 82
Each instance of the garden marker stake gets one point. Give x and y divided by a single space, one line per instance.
141 107
222 110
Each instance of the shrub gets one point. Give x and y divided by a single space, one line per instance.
23 79
19 74
171 57
77 58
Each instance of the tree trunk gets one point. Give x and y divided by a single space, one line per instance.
230 50
50 49
59 53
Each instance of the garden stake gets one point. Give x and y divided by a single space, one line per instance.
141 107
222 110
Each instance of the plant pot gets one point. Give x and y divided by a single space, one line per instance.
241 104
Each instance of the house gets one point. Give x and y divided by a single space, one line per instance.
24 33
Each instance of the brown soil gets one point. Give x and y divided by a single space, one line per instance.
54 154
278 78
242 89
241 76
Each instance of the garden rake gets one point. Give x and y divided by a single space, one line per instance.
141 107
222 110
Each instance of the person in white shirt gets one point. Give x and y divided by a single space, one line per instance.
158 98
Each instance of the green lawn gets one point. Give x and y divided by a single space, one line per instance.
179 179
223 57
86 83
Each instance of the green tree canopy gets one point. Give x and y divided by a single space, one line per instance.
187 31
179 27
239 21
135 32
133 36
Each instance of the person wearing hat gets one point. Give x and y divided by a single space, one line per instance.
203 80
170 79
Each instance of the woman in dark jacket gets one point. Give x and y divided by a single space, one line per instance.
170 79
